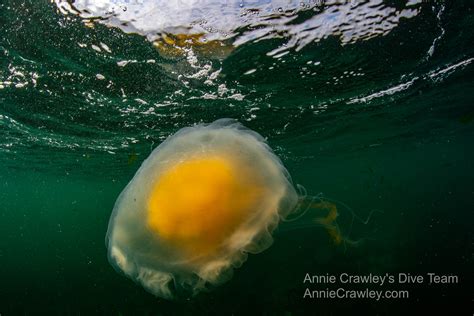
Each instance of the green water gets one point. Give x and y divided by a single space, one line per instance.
379 118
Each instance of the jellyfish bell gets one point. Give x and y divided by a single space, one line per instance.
203 199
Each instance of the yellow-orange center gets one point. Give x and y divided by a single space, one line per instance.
198 203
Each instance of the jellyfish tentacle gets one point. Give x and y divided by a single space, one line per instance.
329 222
354 214
303 206
300 211
331 225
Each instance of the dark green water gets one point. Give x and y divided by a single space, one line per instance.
371 105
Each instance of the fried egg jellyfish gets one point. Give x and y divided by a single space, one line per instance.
203 199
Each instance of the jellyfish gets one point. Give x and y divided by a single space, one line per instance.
203 200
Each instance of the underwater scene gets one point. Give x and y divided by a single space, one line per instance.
234 157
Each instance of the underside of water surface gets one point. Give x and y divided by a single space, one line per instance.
369 105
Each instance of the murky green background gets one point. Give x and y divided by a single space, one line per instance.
379 118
